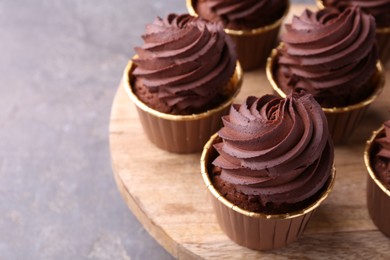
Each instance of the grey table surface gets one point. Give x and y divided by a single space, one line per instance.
60 65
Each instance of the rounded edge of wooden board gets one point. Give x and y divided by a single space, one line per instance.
156 231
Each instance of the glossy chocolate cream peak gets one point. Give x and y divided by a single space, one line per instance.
277 150
186 61
243 14
382 158
329 54
380 9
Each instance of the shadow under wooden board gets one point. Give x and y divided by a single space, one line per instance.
167 194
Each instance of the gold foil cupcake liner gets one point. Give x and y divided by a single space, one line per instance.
180 133
342 121
382 39
378 196
256 230
252 46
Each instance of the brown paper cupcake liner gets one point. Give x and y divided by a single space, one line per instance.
256 230
181 133
378 197
382 39
342 121
252 46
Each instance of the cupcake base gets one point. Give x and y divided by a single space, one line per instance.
257 230
342 121
181 133
378 196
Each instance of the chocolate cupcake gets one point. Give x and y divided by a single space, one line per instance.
182 81
377 159
331 55
268 168
252 24
380 9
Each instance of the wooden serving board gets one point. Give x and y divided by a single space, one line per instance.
167 194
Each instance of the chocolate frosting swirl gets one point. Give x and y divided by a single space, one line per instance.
276 148
380 9
382 158
243 14
186 60
329 54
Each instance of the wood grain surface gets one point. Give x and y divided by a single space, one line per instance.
167 194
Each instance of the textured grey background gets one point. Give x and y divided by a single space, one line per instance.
60 65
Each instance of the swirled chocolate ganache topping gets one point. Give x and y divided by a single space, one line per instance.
183 65
382 158
275 152
380 9
243 14
329 54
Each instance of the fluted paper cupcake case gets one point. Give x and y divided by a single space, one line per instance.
256 230
342 121
378 197
181 133
382 39
252 46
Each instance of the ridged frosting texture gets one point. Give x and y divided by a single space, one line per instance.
186 60
380 9
243 14
275 148
382 164
330 54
